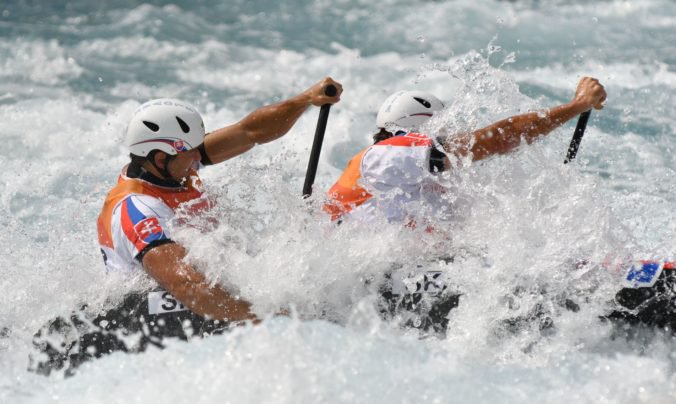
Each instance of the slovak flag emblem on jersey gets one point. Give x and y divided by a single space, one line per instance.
149 230
643 274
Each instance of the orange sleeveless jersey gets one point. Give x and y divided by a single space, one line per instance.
130 186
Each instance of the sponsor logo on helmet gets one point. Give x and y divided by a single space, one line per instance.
179 146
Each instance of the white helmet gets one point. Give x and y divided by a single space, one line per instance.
408 109
164 124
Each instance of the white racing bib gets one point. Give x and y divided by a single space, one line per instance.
163 302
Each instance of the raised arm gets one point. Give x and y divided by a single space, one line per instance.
266 123
504 136
165 263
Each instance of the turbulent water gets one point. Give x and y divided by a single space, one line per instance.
71 74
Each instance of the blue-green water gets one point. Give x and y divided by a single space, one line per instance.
71 73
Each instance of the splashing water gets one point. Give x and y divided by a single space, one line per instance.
72 76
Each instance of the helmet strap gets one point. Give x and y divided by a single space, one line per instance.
163 170
437 157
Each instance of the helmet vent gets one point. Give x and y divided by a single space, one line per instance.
184 126
424 102
152 126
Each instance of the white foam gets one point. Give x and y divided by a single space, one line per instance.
37 62
522 220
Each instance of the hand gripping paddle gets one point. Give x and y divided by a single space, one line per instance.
330 91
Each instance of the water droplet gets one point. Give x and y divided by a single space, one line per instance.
100 80
420 38
510 58
422 56
595 19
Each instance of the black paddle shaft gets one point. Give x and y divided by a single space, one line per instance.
577 136
331 91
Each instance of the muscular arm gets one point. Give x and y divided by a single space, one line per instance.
166 265
505 135
265 124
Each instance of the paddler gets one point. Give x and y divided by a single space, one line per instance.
390 177
167 143
394 179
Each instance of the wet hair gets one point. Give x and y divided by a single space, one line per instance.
135 167
382 135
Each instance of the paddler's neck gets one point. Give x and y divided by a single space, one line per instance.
148 173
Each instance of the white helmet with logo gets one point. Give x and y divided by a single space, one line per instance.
408 109
164 124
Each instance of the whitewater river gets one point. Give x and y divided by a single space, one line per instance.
72 73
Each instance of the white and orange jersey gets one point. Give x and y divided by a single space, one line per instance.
389 176
136 213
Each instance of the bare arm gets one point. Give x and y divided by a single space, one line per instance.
266 123
504 136
166 265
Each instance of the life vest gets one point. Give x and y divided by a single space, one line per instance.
135 214
395 162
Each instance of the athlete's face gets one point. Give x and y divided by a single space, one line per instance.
179 167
